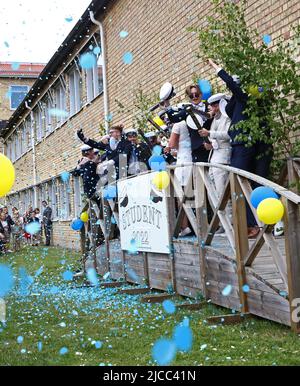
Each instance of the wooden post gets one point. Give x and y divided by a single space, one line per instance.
202 223
172 217
292 245
93 235
293 176
241 236
146 268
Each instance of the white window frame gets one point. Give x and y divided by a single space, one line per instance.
10 93
75 81
77 184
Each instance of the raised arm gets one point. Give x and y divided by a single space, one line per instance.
90 142
230 83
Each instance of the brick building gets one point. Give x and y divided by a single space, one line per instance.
43 145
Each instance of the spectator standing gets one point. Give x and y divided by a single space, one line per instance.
5 231
47 222
16 229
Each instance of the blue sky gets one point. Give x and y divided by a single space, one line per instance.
32 30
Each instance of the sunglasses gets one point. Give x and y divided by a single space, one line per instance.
131 135
194 95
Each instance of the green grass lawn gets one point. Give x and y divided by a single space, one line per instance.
50 313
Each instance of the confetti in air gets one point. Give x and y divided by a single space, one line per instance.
123 34
33 228
227 290
267 39
169 307
128 58
164 351
88 61
6 280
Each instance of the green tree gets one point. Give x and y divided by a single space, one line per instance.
269 74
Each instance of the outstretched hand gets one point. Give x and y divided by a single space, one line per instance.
80 135
212 64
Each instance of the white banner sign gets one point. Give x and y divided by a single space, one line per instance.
143 215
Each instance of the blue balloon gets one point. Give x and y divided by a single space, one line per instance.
76 225
157 163
260 194
205 88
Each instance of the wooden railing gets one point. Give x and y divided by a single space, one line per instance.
205 209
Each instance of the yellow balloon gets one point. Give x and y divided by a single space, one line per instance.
84 217
270 211
7 175
161 180
159 121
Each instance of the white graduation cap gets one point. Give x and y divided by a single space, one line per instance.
166 92
85 148
150 134
215 98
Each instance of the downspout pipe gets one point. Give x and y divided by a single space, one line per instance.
33 156
104 69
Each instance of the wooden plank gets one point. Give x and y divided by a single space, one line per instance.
191 306
134 291
220 207
112 285
241 235
159 298
227 320
257 245
213 199
292 232
190 292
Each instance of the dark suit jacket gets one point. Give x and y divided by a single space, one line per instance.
236 106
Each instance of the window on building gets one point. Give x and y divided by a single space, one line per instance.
49 121
94 80
17 94
28 132
75 90
53 198
60 105
78 193
8 149
64 201
18 144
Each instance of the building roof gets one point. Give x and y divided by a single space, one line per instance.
20 70
80 29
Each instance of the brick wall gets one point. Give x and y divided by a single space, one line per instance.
163 50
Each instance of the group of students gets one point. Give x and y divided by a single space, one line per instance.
13 227
217 140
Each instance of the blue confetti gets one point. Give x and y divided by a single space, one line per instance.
54 290
133 247
267 39
6 44
246 288
40 346
169 307
164 351
123 34
63 351
15 66
97 51
65 176
25 281
183 338
128 58
88 61
68 276
106 276
227 290
6 280
20 339
98 345
109 117
58 113
33 228
69 19
39 271
110 192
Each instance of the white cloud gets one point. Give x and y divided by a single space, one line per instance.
32 30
